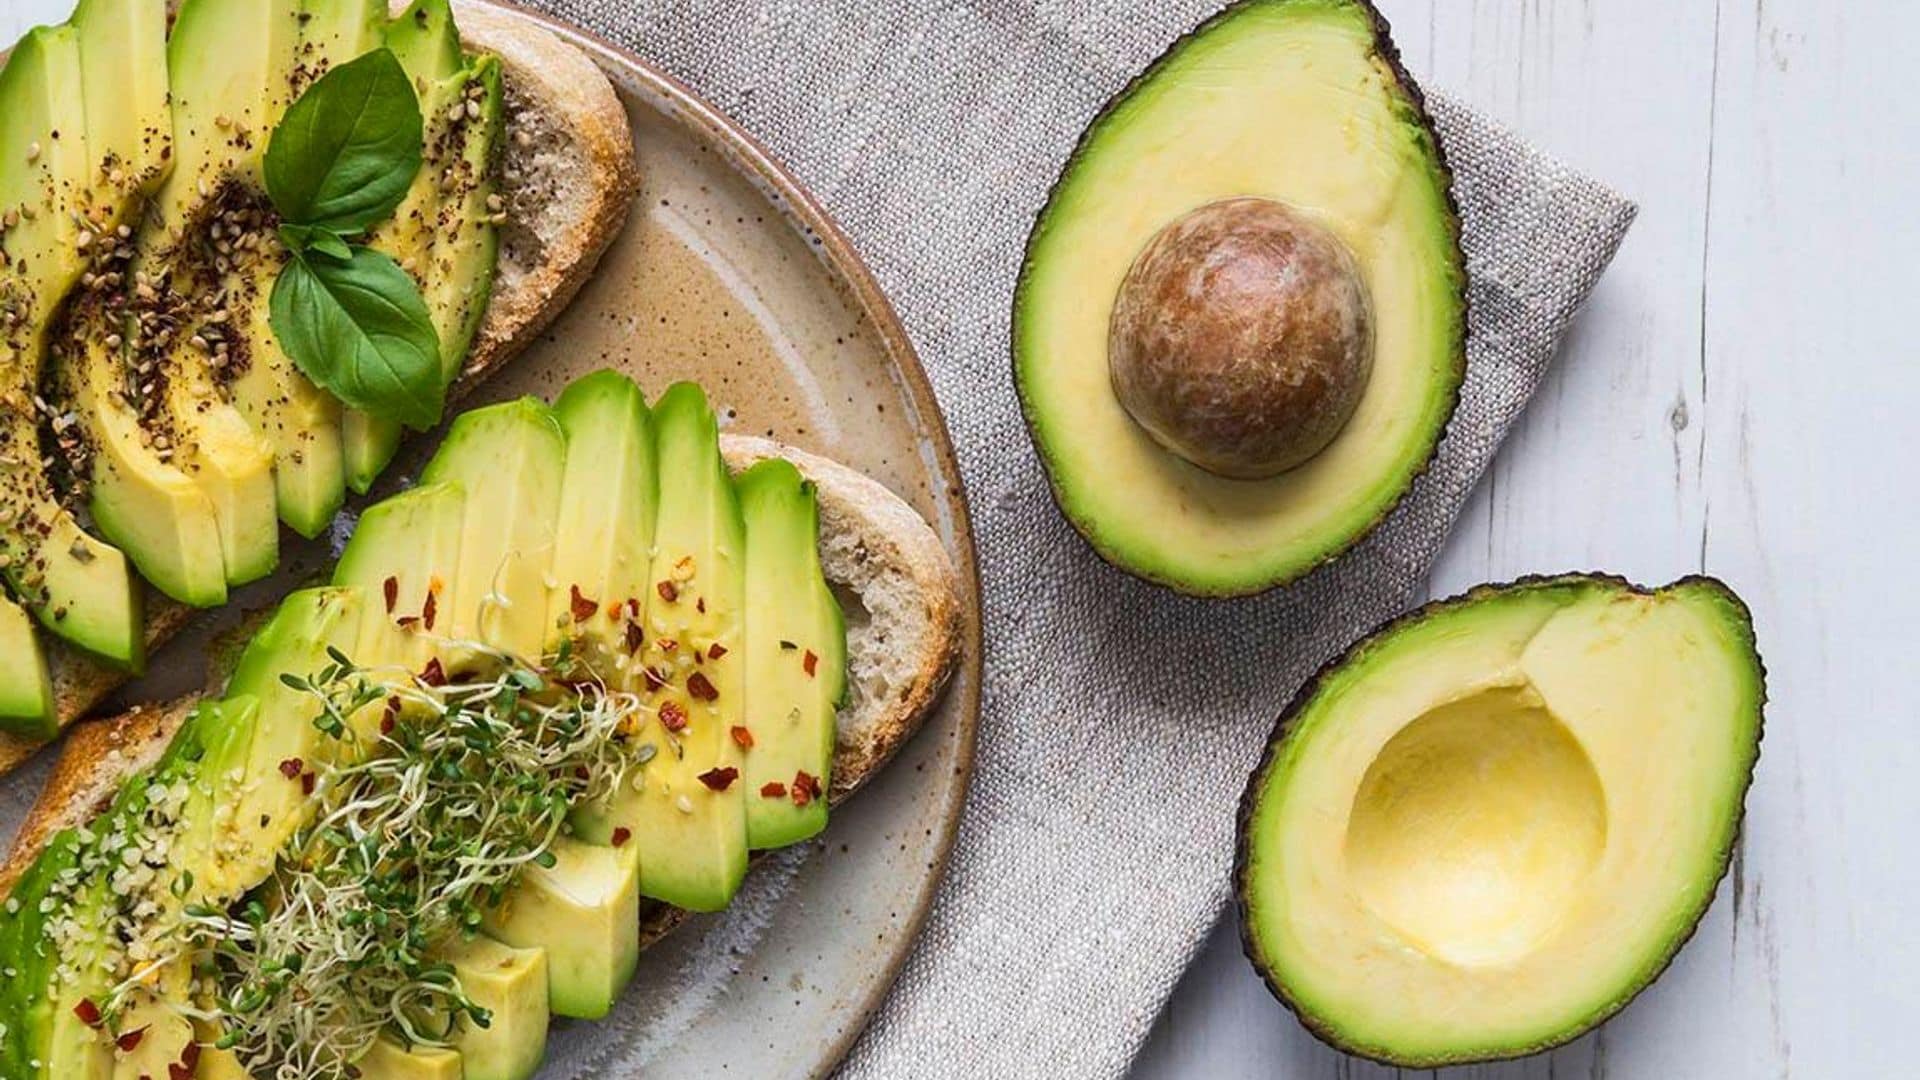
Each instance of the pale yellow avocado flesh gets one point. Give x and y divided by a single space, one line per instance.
1495 822
1282 99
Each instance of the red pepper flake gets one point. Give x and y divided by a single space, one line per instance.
700 605
636 637
407 622
291 767
430 609
613 611
580 771
306 783
720 779
392 588
810 662
179 1070
433 674
633 607
668 591
390 715
673 717
621 835
701 687
717 651
583 607
774 790
130 1040
805 788
88 1012
741 737
667 644
656 682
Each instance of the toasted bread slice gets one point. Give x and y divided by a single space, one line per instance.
896 585
569 179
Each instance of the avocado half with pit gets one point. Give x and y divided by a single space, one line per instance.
1492 823
1239 330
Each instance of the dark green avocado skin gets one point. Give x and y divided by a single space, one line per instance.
1389 55
1249 800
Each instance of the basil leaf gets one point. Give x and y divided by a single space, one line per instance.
360 329
345 154
315 238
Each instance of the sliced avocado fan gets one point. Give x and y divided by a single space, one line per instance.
61 199
1493 822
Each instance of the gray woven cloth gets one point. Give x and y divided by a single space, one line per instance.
1120 721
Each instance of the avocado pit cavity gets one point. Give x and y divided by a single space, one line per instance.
1475 827
1242 338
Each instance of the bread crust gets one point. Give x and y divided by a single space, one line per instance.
550 83
855 510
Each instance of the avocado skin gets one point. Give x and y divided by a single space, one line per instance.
1389 55
1277 741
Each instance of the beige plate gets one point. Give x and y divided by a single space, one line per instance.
729 274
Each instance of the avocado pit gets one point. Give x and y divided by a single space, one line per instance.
1242 337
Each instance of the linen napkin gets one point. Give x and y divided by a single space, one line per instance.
1120 721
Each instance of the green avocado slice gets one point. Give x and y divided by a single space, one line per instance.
603 543
1494 821
1295 101
29 959
78 587
510 459
26 691
796 648
511 984
584 912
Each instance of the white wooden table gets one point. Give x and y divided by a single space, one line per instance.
1741 398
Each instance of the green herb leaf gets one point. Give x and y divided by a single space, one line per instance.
316 239
360 329
345 154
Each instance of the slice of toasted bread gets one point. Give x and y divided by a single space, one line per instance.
569 178
896 585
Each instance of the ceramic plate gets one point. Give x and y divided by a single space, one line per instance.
729 274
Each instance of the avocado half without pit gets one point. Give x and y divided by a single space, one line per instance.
1493 822
1239 330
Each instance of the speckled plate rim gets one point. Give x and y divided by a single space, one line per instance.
836 252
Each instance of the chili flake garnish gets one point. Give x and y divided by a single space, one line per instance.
655 681
434 674
667 644
805 788
392 588
720 779
430 609
88 1012
717 651
702 687
407 622
129 1041
306 783
810 662
583 608
633 607
774 790
700 605
390 715
613 611
741 737
621 835
668 591
292 767
672 716
636 637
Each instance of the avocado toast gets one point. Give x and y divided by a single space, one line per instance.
274 827
559 170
